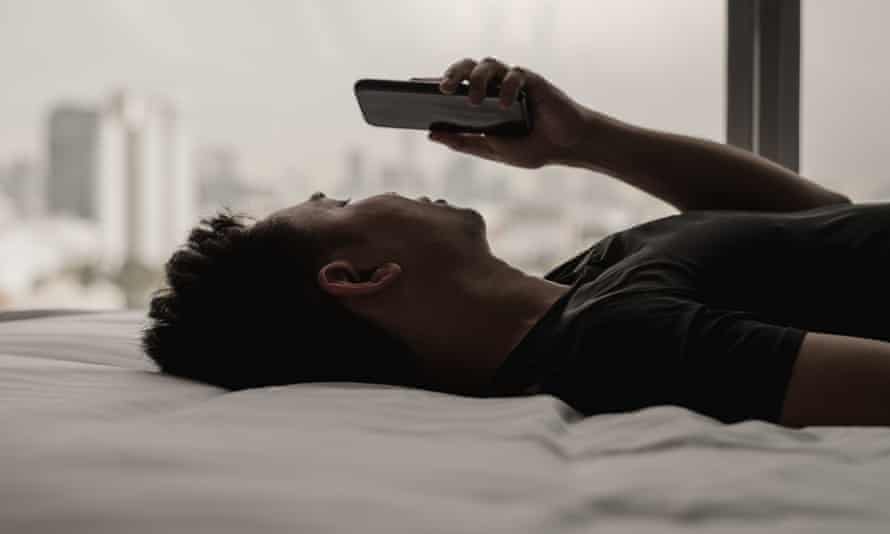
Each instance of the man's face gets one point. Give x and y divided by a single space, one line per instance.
418 234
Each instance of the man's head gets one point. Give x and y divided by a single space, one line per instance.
326 290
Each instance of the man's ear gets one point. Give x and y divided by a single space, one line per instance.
341 279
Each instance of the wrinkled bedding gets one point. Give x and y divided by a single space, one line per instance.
95 440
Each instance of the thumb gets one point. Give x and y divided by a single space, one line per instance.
473 144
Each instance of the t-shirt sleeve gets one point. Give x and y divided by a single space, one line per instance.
726 364
734 366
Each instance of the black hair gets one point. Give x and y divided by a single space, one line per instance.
242 309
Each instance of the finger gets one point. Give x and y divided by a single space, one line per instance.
488 69
456 73
513 82
474 144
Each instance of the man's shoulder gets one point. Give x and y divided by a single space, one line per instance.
568 271
615 246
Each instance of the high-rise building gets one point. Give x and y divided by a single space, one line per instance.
22 182
460 180
86 177
73 161
219 178
161 191
355 180
125 167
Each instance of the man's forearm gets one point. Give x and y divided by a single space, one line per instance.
692 173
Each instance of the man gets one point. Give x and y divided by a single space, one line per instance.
763 299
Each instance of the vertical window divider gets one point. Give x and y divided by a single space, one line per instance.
763 78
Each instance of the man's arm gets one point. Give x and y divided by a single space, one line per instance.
687 172
692 173
839 380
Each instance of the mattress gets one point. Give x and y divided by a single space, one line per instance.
95 440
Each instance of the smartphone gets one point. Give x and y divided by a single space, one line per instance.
420 105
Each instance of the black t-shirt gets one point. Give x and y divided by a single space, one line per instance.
705 310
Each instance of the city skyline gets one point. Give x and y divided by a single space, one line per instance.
125 164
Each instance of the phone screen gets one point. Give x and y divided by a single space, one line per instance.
421 106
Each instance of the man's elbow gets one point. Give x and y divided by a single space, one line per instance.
829 198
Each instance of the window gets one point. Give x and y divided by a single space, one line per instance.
259 95
844 87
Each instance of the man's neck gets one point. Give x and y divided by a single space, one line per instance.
480 323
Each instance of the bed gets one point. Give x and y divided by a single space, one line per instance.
95 440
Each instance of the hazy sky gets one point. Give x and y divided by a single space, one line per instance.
274 78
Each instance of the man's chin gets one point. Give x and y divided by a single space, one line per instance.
475 219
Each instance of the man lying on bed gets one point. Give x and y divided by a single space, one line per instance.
764 299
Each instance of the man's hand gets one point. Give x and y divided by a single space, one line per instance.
559 124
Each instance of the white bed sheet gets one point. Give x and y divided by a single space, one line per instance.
94 440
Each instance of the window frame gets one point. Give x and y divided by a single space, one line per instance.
763 78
